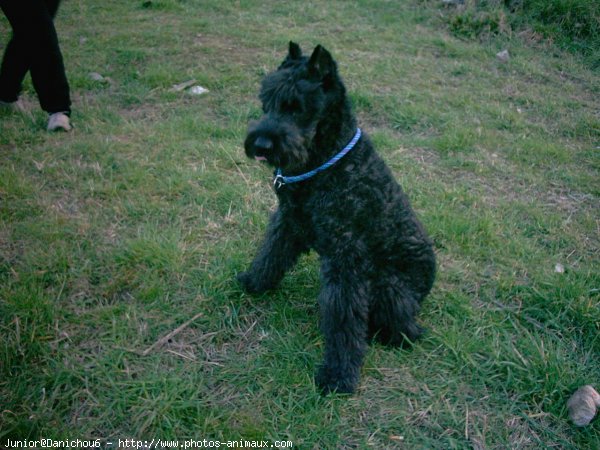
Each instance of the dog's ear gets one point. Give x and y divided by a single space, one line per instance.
321 64
294 51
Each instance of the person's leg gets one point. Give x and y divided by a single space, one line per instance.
15 62
47 68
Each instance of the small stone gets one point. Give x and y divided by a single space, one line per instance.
582 405
503 56
198 90
96 76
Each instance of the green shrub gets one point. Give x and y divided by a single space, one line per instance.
476 23
572 24
575 19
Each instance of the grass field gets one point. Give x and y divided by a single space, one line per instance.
119 232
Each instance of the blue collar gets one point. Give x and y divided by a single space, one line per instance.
279 179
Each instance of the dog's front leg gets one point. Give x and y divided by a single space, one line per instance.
278 253
344 323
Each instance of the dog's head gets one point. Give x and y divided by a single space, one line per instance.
295 100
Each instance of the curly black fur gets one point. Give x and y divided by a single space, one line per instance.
377 263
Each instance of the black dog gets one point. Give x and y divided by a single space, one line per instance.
338 197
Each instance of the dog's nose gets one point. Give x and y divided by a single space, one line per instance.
263 144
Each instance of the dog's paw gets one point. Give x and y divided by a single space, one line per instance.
404 339
249 283
329 381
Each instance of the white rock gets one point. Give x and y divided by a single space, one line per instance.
96 76
503 56
198 90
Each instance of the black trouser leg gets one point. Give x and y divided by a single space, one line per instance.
15 65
